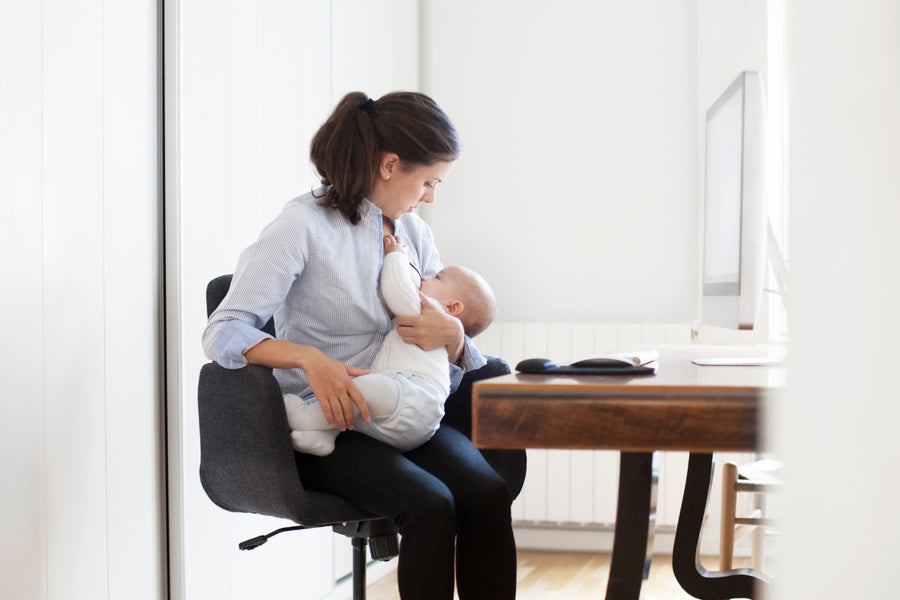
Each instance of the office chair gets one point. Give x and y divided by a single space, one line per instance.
756 478
247 461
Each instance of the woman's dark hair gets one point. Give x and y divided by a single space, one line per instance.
347 148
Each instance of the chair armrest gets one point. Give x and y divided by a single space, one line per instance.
246 460
247 463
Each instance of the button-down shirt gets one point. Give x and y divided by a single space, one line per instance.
317 274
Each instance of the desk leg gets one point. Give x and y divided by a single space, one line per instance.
695 579
635 521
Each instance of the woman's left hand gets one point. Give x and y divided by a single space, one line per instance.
432 329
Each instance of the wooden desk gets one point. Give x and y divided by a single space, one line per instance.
683 407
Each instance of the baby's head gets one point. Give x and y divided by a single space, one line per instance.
464 294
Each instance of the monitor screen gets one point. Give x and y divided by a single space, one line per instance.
734 233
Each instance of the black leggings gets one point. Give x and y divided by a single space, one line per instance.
445 499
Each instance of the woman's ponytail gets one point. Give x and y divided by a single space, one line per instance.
345 153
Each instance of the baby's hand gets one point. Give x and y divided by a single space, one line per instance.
392 243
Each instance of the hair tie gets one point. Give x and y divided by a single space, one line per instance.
368 106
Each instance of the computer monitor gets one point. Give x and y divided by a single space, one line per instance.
734 224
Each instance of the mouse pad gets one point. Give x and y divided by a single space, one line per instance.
545 367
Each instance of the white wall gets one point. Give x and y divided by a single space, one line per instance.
80 443
576 193
837 423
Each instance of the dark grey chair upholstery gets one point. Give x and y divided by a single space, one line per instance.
247 461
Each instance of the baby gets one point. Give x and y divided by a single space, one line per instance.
407 386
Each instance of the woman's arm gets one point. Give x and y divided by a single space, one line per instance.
328 378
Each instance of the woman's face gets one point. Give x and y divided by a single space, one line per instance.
400 190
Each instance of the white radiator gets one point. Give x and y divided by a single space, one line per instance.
567 490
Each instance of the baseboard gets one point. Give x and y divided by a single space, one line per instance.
594 538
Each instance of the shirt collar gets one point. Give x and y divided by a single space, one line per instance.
366 207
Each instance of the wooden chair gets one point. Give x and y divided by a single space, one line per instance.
757 478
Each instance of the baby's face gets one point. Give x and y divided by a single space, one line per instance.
444 285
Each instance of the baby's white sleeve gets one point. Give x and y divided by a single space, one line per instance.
399 285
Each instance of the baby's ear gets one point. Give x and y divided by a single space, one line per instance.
454 307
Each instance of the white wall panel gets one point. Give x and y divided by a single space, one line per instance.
132 300
23 534
82 516
74 376
203 543
844 89
581 487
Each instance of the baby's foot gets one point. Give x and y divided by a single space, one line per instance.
319 443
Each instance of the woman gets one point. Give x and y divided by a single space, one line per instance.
315 268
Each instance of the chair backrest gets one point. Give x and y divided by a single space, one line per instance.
215 293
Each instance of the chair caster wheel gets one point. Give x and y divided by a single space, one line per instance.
384 547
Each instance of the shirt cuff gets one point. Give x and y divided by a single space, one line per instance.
471 359
235 338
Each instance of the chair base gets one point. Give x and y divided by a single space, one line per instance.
383 545
380 534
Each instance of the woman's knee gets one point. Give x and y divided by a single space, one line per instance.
488 497
432 508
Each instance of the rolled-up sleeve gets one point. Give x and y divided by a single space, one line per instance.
233 340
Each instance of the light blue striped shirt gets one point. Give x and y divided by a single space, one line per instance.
318 275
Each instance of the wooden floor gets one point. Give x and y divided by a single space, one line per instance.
565 576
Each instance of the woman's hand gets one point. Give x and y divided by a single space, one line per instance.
328 378
330 381
433 328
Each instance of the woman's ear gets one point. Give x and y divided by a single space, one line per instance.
389 164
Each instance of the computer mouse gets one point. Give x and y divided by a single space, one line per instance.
536 365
